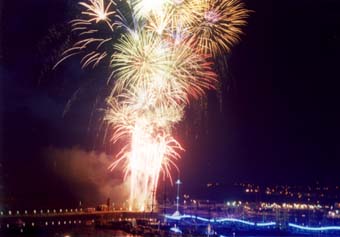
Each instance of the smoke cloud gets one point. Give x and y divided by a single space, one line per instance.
88 175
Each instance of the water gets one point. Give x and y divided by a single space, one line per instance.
83 232
92 232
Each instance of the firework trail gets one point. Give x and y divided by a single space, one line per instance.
162 59
93 35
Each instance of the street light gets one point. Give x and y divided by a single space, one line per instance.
178 182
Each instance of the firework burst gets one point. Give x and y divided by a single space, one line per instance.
143 8
93 35
144 59
219 25
161 59
175 17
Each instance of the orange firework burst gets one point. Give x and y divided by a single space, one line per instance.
219 26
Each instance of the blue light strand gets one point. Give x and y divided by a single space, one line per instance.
322 228
266 224
235 220
261 224
220 220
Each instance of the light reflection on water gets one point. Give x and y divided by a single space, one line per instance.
97 233
86 232
92 232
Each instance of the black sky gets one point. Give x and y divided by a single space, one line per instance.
278 123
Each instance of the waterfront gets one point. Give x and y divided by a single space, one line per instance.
99 232
93 232
75 232
221 219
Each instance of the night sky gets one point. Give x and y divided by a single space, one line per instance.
278 121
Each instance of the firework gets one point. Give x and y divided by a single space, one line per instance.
176 70
175 17
144 119
218 27
93 36
143 8
161 59
141 58
97 11
160 76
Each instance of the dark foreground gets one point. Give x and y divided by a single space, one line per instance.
97 232
74 232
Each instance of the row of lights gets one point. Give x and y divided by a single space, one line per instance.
234 204
41 211
282 190
70 222
334 214
52 223
290 206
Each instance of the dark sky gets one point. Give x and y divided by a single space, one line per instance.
278 123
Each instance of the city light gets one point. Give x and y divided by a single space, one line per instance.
175 230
